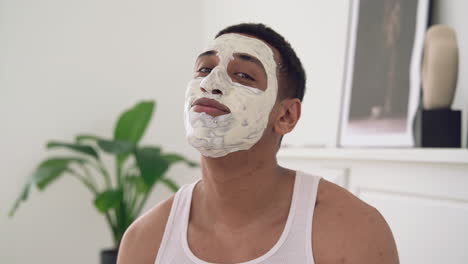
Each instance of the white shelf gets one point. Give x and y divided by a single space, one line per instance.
424 155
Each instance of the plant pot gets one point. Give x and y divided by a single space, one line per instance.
109 256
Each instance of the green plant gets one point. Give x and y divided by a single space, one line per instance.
137 169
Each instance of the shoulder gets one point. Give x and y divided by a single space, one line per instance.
348 230
141 241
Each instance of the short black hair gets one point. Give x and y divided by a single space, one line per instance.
291 67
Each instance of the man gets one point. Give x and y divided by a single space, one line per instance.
246 94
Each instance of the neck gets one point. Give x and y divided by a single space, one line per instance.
241 187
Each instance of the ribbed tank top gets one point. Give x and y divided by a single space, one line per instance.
293 247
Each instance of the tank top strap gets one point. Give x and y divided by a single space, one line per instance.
175 224
300 234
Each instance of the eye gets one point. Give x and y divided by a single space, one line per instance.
245 76
204 70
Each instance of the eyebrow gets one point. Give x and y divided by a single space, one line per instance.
249 58
207 53
241 56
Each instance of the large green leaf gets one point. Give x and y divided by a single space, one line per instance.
22 197
49 170
116 146
132 123
82 137
151 164
85 149
172 158
108 199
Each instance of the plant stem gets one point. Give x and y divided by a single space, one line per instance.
121 210
130 196
89 175
112 226
84 180
119 172
99 166
141 204
94 190
106 174
130 190
132 203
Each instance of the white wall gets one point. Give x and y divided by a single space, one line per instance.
71 66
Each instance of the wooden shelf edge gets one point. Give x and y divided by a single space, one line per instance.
424 155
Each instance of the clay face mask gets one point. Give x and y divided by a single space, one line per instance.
249 107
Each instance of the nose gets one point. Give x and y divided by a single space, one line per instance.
213 91
215 83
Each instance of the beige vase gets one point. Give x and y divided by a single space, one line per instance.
440 67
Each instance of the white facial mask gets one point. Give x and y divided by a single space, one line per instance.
250 107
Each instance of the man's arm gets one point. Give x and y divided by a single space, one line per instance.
140 243
370 240
347 230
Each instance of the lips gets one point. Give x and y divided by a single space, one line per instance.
210 106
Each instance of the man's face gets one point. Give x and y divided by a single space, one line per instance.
228 102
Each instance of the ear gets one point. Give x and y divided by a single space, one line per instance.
289 113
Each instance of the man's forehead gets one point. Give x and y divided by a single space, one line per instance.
232 43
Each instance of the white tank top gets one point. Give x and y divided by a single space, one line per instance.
293 246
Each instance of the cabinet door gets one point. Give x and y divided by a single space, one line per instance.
425 205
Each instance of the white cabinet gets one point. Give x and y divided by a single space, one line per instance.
334 174
423 194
